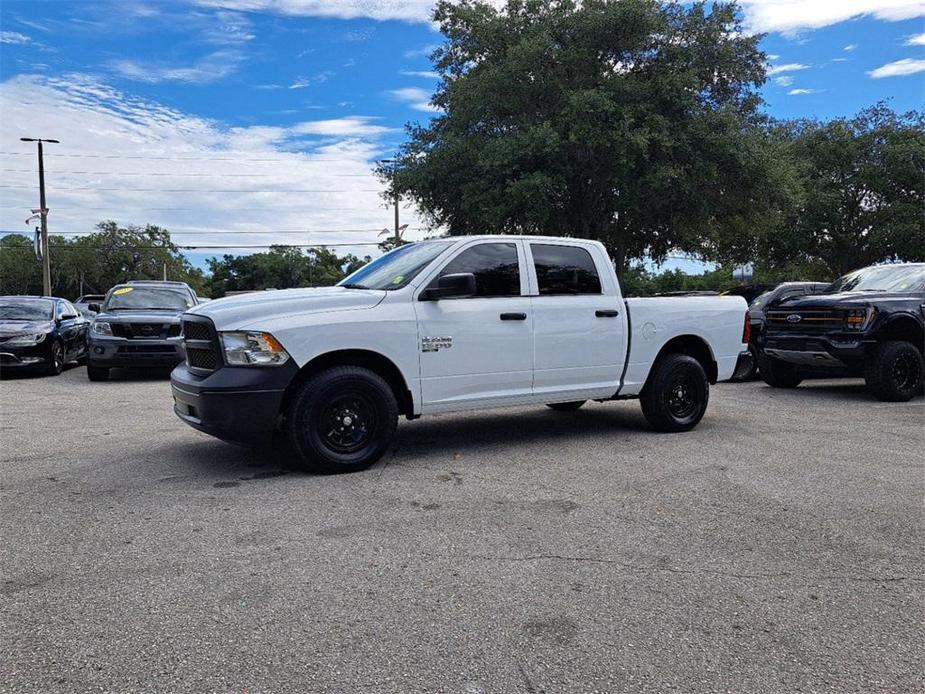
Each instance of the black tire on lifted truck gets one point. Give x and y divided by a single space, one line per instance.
97 373
342 419
676 394
893 371
777 373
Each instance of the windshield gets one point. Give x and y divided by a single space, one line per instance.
394 270
26 309
883 278
124 298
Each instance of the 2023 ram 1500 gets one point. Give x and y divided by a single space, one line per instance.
448 325
869 322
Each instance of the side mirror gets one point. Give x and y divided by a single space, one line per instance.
93 307
450 286
68 316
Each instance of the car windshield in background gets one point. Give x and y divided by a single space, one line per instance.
126 298
883 278
394 270
26 309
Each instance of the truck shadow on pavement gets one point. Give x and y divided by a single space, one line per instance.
460 434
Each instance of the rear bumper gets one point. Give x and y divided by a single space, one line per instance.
236 404
120 352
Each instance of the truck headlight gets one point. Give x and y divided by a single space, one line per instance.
25 340
859 318
101 327
252 349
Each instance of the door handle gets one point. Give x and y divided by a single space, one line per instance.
513 316
607 313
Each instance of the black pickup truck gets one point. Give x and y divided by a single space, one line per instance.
870 323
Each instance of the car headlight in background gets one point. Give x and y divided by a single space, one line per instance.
859 318
25 340
252 349
101 327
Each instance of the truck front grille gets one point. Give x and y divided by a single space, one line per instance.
805 320
201 342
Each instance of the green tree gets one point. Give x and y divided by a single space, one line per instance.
633 122
863 181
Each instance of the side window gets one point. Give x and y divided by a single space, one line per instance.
63 309
495 268
564 270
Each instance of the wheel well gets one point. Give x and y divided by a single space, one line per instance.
904 328
692 346
383 366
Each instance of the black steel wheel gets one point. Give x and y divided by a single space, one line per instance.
676 394
342 419
893 371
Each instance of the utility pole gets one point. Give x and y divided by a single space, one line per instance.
397 199
46 261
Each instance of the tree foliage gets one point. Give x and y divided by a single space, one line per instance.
95 262
863 191
279 268
632 122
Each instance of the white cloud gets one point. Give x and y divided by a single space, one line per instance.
915 40
320 78
783 81
426 74
423 51
138 161
14 38
788 67
214 66
839 60
415 97
801 92
792 16
899 68
773 56
850 47
406 10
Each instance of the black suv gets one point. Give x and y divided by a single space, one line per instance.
138 325
870 322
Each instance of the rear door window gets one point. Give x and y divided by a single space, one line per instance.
564 270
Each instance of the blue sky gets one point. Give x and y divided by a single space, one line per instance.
263 117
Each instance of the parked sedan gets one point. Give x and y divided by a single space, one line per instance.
41 332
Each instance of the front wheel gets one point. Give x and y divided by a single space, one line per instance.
56 365
777 373
342 419
893 372
97 373
676 395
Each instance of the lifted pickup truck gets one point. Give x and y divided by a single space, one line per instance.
447 325
868 323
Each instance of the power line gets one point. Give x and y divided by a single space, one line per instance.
173 232
177 158
198 190
276 208
213 247
187 175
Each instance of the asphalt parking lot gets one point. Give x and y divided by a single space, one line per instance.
776 548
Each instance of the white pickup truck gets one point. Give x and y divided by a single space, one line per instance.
446 325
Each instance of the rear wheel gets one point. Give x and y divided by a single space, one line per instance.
894 371
566 406
56 365
342 419
675 397
777 373
97 373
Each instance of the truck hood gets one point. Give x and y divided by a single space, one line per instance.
140 316
844 300
249 310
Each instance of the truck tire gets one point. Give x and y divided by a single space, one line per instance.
777 373
893 371
566 406
97 373
342 419
676 394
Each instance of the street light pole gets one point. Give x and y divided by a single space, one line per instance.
397 232
43 211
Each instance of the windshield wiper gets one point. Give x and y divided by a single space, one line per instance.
354 286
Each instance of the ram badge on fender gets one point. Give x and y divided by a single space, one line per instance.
442 326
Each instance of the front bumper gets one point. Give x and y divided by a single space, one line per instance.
239 404
26 356
116 352
833 350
